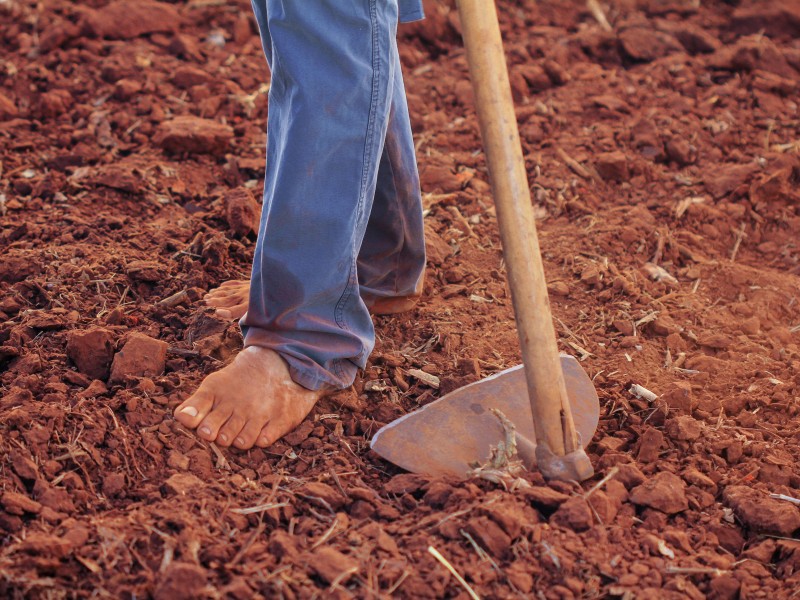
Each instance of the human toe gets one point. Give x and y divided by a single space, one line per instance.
230 430
210 426
248 435
194 409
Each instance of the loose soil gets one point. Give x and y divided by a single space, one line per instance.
664 162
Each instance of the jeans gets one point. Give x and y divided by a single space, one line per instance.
342 216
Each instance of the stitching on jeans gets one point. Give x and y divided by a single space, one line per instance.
367 163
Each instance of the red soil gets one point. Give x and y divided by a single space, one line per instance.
129 135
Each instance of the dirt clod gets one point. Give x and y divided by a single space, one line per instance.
664 492
141 356
92 351
761 513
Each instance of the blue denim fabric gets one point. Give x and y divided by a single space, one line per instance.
411 10
342 216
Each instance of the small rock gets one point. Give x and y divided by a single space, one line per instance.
729 537
645 45
613 166
242 212
684 428
147 271
724 587
96 388
606 506
92 351
182 484
695 39
761 513
405 483
177 460
193 135
490 536
181 581
19 504
624 326
8 110
574 514
694 477
281 545
46 545
23 466
751 326
331 565
185 46
543 498
664 492
124 20
715 341
114 484
650 445
125 89
188 76
630 475
681 152
141 356
321 494
558 288
727 178
678 397
436 249
775 19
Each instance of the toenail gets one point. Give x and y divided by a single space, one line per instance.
190 410
204 431
223 437
240 441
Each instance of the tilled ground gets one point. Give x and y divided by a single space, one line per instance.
663 157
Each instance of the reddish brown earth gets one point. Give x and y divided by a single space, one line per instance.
131 136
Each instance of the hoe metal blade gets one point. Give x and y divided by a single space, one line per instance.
446 436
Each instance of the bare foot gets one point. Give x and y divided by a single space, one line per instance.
231 298
251 402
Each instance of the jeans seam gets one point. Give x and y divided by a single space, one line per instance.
352 279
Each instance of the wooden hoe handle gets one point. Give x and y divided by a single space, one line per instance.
552 415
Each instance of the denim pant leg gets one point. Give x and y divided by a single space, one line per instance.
332 70
392 257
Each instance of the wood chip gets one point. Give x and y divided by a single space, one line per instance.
426 378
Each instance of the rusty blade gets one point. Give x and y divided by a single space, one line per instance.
446 436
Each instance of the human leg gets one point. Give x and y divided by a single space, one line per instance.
332 77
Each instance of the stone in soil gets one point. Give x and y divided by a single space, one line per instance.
19 504
684 428
321 494
776 18
180 581
489 535
645 45
664 492
125 20
543 498
574 514
761 513
23 466
182 484
650 445
46 545
194 135
242 212
92 351
8 110
331 565
613 166
141 356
